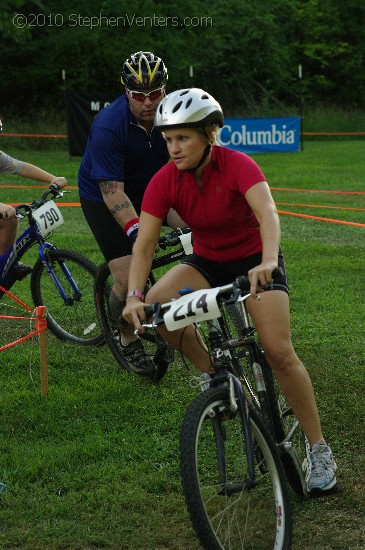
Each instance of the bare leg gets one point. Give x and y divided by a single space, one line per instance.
185 340
8 232
119 269
271 318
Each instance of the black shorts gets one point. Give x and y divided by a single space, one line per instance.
219 274
109 235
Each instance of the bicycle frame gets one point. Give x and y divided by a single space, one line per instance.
24 242
30 236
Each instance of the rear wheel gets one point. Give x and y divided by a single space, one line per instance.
155 347
73 319
227 509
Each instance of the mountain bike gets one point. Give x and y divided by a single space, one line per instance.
159 351
62 280
232 469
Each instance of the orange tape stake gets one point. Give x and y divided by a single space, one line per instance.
40 329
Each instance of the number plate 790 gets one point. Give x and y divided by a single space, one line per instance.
48 217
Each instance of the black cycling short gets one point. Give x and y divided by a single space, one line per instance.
219 274
109 235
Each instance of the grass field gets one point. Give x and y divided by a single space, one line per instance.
95 464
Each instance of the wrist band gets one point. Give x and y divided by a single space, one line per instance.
131 227
137 294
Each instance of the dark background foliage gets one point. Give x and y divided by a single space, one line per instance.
245 53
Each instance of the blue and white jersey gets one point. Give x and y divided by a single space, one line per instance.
119 149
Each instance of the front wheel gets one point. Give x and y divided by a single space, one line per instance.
74 317
290 437
226 508
155 347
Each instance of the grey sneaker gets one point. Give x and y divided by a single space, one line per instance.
204 381
136 359
322 472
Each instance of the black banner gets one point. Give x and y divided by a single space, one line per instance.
81 110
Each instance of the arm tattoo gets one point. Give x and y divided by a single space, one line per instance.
108 187
119 207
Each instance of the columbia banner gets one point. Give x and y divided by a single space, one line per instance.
261 135
81 110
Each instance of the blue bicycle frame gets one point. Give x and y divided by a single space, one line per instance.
23 243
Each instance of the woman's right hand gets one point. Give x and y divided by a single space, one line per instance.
7 211
134 313
59 181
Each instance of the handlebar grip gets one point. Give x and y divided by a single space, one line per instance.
149 311
277 273
172 238
243 283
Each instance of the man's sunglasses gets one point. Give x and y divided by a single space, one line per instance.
141 96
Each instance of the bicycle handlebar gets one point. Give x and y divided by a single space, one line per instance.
228 294
29 207
172 238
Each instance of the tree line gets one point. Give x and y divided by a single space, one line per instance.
249 54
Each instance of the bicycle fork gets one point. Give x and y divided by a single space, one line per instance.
46 262
237 403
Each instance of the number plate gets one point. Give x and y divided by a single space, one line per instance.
200 305
185 240
48 217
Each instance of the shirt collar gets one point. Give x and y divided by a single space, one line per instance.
213 165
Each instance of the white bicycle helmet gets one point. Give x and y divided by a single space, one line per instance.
190 107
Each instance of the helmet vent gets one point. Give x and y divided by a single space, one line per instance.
205 96
188 103
184 92
177 107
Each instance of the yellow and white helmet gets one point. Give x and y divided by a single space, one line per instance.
143 70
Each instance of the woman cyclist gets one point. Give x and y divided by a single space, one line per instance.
223 196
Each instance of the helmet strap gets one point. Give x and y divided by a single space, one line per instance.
206 153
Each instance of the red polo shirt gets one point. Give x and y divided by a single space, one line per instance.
223 225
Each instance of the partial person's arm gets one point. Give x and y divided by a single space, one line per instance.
120 206
260 200
142 256
7 211
34 173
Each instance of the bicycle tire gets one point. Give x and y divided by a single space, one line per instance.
77 320
223 509
156 349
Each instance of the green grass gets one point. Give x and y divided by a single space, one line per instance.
95 464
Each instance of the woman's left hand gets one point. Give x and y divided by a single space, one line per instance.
261 276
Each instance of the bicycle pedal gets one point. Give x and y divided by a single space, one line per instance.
164 353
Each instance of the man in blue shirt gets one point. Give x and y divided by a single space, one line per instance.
122 154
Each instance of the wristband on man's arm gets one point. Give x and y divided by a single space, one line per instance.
131 227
